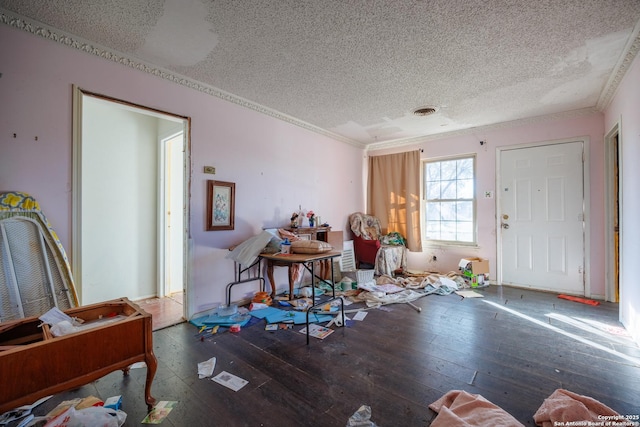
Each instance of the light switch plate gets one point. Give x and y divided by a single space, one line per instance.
210 169
488 194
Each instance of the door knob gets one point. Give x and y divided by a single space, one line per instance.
505 226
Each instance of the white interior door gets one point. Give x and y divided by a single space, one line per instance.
174 211
542 217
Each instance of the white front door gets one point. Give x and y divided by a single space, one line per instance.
541 217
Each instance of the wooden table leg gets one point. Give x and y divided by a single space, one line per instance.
271 279
152 366
324 268
290 271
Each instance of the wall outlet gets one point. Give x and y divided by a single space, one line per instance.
210 169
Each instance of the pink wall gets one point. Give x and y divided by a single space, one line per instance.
276 166
625 111
550 130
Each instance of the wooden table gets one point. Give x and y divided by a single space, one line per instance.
34 364
308 261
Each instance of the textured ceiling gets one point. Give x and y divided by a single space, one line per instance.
356 69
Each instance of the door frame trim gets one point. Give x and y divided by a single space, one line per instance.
609 198
586 200
163 184
76 262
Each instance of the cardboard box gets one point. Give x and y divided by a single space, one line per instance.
476 270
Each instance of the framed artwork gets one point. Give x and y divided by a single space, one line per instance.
220 205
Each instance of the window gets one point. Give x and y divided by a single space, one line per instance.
449 200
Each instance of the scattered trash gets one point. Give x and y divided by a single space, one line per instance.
276 315
78 403
475 270
113 402
22 411
347 283
473 378
340 321
360 315
230 381
241 317
234 328
317 331
205 369
257 306
91 416
415 307
159 412
262 298
469 294
361 418
227 310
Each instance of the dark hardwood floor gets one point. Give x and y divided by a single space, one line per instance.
514 347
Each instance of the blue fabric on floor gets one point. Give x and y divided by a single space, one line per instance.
264 312
276 315
214 319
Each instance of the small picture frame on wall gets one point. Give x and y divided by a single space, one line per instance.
220 205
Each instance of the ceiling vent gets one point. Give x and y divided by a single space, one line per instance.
425 111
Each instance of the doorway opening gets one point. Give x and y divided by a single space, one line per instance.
612 215
130 228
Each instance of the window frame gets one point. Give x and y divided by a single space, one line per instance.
474 202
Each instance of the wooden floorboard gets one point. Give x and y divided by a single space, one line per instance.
396 360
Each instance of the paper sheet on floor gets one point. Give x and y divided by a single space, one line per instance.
159 412
469 294
230 381
317 331
360 315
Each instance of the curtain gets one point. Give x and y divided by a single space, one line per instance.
393 195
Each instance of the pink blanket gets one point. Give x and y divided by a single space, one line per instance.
564 405
459 408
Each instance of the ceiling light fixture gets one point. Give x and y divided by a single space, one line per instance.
425 111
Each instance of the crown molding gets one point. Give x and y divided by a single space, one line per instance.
480 129
42 30
629 53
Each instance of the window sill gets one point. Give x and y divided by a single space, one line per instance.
430 244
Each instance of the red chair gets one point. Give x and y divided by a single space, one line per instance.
369 250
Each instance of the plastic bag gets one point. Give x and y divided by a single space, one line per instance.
95 416
361 418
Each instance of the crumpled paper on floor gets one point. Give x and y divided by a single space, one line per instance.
361 418
205 369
